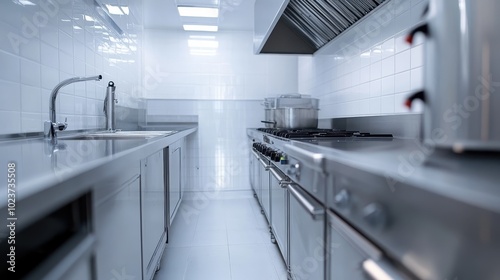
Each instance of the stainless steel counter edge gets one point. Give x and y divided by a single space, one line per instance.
55 189
466 186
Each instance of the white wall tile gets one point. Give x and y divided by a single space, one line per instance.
10 96
375 88
50 36
50 56
52 50
387 104
375 106
66 63
376 70
387 85
381 59
65 43
31 49
388 65
403 61
400 43
417 82
417 56
31 122
30 73
31 99
11 67
402 82
50 77
14 123
388 48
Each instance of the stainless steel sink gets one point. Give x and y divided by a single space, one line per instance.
106 135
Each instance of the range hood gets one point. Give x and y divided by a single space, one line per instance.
304 26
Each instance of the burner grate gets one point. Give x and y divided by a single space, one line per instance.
317 133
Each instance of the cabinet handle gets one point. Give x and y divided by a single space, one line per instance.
255 154
314 208
265 165
381 270
281 181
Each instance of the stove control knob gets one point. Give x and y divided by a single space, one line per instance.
294 170
269 152
343 198
375 215
277 157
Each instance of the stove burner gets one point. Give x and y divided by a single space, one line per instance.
317 133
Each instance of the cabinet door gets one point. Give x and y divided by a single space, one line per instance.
279 215
117 215
174 171
153 209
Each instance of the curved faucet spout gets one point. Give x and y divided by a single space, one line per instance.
55 91
49 129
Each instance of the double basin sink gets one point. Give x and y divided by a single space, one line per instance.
117 135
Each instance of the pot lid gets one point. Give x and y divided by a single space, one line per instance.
296 101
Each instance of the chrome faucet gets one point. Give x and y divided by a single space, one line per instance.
52 126
109 107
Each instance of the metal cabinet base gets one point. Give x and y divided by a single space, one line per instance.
306 236
153 202
118 228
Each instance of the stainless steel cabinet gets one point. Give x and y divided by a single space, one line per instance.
345 259
353 257
175 179
279 211
306 233
152 213
264 184
255 179
118 228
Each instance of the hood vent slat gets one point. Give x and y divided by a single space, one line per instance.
320 21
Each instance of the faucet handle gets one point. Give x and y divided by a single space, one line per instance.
62 126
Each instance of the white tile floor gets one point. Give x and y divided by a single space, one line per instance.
221 236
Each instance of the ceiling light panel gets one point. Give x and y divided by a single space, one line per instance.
190 11
211 44
193 27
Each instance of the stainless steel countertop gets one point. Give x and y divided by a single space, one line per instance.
473 178
69 171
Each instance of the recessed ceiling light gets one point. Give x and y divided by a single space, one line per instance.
203 44
118 10
193 27
25 3
189 11
203 37
211 52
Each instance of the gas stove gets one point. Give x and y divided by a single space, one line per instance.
319 133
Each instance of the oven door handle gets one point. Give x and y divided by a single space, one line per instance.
381 270
314 208
263 163
281 181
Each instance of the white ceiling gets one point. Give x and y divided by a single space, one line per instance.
234 14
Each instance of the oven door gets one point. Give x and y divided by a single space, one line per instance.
255 176
306 235
279 210
352 257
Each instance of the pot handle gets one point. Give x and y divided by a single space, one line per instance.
268 122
